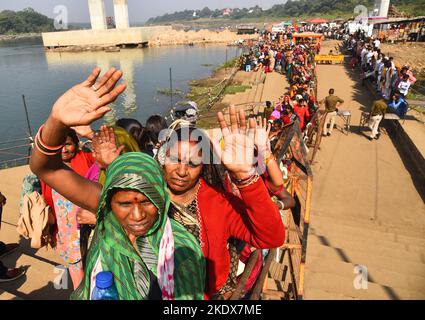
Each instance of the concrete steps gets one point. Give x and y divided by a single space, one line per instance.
378 276
344 285
409 231
394 258
366 232
318 294
379 247
366 259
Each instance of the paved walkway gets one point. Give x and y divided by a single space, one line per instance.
365 210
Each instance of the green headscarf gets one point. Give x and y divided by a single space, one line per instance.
111 244
122 138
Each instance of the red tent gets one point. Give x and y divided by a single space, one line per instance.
317 20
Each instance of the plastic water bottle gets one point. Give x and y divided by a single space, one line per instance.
105 287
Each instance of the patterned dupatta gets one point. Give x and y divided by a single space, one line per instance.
180 265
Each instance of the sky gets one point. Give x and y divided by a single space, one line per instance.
139 10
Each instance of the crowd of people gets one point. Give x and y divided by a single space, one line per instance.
294 59
168 210
391 80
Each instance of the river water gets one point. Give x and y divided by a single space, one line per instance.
26 69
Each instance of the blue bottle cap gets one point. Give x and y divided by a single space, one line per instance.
104 280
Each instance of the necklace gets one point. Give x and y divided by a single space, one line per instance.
198 214
188 199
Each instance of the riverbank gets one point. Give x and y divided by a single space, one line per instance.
209 92
203 36
20 36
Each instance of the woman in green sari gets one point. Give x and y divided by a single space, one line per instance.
131 242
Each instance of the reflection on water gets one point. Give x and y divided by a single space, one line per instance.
26 68
44 76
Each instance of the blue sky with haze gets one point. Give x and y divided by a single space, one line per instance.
139 10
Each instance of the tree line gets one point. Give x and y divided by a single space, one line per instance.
24 21
292 8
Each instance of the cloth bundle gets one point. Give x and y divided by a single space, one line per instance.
34 222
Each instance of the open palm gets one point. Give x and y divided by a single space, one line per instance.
238 152
88 101
105 149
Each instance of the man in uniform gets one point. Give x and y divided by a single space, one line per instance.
379 108
331 103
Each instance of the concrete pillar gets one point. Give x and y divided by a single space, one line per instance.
381 8
384 7
121 14
97 14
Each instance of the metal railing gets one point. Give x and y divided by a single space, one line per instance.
286 273
17 152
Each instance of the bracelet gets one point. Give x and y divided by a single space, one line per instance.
40 148
269 158
43 148
279 191
49 148
252 173
250 181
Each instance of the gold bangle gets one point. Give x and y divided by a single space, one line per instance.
251 181
269 158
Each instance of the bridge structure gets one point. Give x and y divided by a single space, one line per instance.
100 35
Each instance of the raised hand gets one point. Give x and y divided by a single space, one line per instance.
261 133
238 153
84 131
88 101
105 149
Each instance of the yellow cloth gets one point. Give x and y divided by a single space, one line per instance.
122 138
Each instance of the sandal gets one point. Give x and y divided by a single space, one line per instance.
12 274
6 249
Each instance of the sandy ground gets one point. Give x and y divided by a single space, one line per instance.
411 53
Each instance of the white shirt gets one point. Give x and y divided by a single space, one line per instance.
403 87
363 53
369 56
377 43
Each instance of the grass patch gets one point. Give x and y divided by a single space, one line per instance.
232 89
229 64
419 109
417 91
